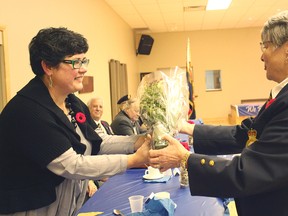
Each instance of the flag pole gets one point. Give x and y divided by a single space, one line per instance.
190 79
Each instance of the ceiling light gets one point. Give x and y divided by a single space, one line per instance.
218 4
194 8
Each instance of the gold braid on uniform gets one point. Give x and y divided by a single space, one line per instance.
184 161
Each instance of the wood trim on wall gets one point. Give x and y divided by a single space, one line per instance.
5 75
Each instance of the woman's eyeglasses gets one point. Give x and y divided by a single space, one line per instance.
77 64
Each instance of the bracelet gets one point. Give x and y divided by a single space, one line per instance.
184 160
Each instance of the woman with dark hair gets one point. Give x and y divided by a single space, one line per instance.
47 135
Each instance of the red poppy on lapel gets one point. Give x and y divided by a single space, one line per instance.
269 102
80 117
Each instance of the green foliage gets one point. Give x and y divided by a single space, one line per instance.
153 104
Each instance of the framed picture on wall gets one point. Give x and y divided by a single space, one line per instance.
88 85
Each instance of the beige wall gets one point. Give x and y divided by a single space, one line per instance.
235 52
108 36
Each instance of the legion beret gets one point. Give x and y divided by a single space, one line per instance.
123 99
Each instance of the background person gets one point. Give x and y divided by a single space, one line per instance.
126 122
258 177
55 147
95 106
91 189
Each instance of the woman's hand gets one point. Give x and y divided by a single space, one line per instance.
141 156
168 157
92 188
139 142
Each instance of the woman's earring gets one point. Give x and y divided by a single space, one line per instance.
50 82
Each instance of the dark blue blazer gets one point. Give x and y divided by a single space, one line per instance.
258 178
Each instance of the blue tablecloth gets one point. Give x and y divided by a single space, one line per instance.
114 194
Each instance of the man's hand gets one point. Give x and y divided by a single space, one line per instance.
168 157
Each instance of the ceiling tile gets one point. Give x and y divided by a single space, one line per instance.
169 15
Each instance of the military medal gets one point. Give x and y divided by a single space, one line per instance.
252 137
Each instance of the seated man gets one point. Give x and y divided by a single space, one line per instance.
126 122
95 106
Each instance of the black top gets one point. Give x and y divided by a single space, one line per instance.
34 131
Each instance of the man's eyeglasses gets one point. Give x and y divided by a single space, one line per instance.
264 45
77 64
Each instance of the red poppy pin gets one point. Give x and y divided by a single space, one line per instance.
80 117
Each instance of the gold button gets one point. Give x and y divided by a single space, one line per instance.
203 161
211 163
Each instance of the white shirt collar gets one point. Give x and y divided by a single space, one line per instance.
97 122
276 89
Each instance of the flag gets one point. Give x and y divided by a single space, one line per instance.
190 77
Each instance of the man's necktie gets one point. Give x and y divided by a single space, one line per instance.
269 101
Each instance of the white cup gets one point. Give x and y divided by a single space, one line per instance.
162 195
152 171
168 172
136 203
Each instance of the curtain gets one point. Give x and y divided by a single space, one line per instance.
118 84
